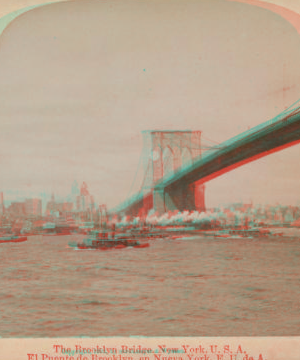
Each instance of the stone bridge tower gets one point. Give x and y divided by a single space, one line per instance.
165 153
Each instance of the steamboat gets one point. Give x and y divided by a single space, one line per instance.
105 240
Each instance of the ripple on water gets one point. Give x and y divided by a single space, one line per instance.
173 288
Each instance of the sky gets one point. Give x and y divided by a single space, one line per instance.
81 80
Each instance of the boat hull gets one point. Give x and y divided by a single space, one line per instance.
13 239
99 245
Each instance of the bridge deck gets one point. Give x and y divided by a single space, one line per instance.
270 136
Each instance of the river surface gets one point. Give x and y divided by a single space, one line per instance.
198 287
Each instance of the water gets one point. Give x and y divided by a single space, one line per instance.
198 287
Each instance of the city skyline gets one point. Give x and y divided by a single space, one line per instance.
74 108
45 197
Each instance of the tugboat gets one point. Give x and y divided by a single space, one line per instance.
105 240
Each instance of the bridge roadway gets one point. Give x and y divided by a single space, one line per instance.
269 137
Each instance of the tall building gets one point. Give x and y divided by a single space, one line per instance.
51 205
33 207
75 189
84 190
1 203
74 193
61 207
17 209
84 201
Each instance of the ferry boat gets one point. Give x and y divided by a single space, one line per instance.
105 240
12 238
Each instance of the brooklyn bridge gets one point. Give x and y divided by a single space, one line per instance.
177 164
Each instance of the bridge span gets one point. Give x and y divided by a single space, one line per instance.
180 190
